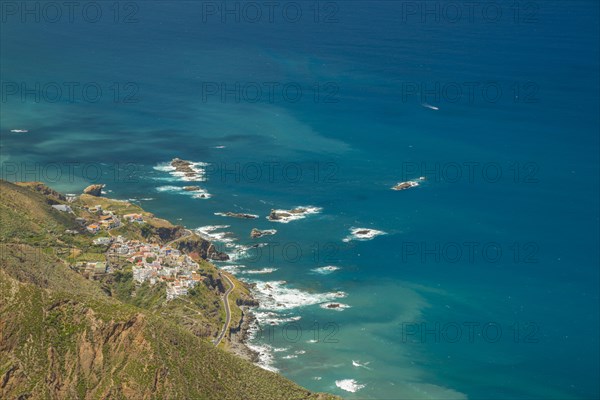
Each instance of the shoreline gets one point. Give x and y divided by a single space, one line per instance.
238 332
238 339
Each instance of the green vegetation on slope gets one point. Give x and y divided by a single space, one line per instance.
64 336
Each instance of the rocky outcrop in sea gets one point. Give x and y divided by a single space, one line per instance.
237 215
256 233
94 190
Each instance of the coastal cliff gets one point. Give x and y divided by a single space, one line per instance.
64 334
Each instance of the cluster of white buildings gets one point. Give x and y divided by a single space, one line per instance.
153 263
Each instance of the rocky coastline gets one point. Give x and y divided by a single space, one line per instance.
192 244
94 190
239 335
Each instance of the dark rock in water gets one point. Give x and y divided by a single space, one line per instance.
184 167
362 232
402 186
191 188
256 233
408 184
238 215
277 215
94 190
213 254
333 305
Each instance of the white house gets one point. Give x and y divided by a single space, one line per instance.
63 208
141 274
102 241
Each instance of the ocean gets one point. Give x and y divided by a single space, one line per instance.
481 282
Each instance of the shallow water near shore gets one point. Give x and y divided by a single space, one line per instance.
484 284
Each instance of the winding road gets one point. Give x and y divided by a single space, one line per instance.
225 296
227 311
187 233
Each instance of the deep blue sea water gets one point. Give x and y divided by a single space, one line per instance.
485 284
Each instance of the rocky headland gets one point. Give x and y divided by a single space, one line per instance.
94 190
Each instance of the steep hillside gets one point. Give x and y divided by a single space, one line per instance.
65 336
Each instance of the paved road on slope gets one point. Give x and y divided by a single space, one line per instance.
227 310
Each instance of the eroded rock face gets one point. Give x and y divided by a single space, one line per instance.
95 347
167 234
214 254
94 190
205 249
45 190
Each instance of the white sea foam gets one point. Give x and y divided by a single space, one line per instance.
241 251
349 385
198 168
272 318
209 232
296 216
196 194
265 356
361 365
259 271
426 105
275 295
363 234
164 167
325 270
277 304
169 189
233 269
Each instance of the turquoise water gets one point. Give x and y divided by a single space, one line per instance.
408 291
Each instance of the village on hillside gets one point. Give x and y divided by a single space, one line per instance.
150 262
